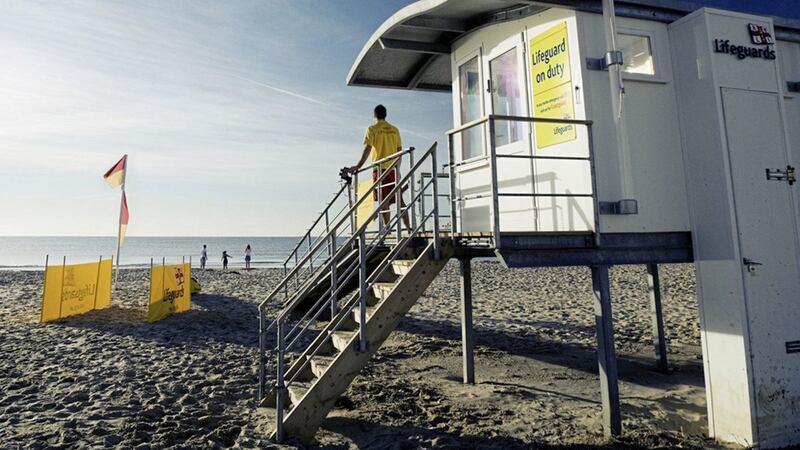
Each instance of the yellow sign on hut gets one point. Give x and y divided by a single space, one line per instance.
170 291
551 77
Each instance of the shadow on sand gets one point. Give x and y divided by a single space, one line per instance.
368 435
213 318
572 355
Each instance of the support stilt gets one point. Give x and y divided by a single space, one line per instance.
467 336
607 358
659 340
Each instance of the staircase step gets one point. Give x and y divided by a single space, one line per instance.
348 324
402 266
357 313
297 390
319 364
341 339
382 290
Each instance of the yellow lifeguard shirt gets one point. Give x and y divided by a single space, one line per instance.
384 138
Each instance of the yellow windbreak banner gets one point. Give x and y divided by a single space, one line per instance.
170 291
367 207
75 289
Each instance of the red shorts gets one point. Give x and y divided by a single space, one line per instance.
388 183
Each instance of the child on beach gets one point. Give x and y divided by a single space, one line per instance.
247 252
203 258
225 257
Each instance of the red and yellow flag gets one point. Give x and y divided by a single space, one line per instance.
116 175
123 219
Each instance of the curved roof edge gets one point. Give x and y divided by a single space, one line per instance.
408 12
410 50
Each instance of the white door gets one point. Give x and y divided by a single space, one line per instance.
792 106
506 94
472 175
767 236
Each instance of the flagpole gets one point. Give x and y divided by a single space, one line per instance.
119 224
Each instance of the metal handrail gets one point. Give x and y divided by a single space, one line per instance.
366 247
326 214
316 221
370 218
319 244
391 157
488 117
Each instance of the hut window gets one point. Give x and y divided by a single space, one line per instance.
637 54
506 96
470 96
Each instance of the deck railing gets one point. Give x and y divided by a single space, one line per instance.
488 123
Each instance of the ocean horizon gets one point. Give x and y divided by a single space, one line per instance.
31 252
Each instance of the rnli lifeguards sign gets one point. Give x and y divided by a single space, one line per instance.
551 77
170 291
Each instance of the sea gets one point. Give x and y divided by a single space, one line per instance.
31 253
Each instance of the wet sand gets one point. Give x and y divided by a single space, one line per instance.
108 378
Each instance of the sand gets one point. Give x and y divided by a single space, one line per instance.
108 378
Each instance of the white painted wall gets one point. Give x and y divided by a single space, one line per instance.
789 61
654 137
515 175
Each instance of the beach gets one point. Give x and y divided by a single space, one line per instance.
109 378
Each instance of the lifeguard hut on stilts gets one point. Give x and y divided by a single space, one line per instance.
584 136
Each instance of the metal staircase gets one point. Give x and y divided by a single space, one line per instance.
348 291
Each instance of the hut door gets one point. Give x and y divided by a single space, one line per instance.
506 95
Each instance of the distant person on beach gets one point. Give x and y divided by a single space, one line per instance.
247 252
203 257
225 257
382 140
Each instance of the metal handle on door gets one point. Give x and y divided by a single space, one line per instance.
751 265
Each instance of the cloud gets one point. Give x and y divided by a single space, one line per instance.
284 91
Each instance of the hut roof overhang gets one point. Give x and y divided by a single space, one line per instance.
411 49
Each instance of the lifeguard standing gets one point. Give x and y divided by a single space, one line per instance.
382 140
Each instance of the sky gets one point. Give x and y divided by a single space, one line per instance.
235 115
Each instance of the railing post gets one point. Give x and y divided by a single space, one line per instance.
422 215
377 187
494 188
327 229
398 196
280 388
437 250
412 174
297 275
262 347
596 207
286 285
353 186
311 259
334 276
362 292
452 173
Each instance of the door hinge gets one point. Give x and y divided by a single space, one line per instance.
782 175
